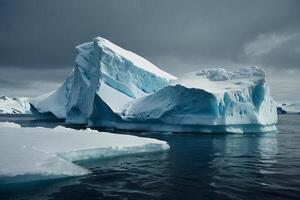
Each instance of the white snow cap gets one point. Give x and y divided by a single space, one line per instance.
132 57
220 80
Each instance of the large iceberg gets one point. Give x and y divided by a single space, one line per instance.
212 100
104 74
114 88
28 154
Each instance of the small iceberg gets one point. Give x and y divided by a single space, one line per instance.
288 108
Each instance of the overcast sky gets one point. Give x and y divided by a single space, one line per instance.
37 38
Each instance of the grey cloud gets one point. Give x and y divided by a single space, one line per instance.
10 83
43 33
178 36
275 50
30 82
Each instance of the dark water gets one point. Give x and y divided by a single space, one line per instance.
211 166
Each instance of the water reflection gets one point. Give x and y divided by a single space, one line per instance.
239 160
268 149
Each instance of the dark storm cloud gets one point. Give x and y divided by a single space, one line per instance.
178 36
40 34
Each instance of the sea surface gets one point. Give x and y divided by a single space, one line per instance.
198 166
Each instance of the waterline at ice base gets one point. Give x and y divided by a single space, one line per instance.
114 88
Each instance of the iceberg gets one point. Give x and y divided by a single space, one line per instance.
10 105
28 154
211 100
288 108
104 74
115 88
280 110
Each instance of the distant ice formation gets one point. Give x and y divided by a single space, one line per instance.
288 108
14 105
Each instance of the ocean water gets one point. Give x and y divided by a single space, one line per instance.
198 166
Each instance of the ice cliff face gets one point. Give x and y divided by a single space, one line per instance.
106 73
226 101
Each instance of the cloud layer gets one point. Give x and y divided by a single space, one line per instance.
178 36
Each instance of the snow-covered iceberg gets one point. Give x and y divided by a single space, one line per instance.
212 100
104 74
115 88
41 153
10 105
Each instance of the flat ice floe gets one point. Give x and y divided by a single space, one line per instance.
43 153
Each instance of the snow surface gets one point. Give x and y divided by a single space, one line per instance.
43 153
116 100
136 60
209 100
14 105
102 69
